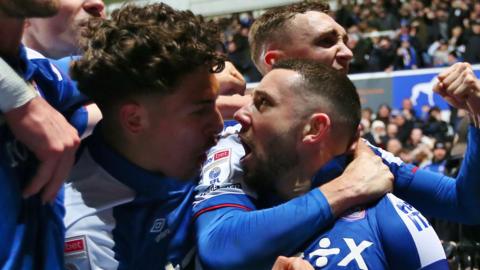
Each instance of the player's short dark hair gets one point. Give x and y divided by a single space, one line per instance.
330 90
270 26
143 50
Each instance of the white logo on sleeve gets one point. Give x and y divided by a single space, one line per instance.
355 253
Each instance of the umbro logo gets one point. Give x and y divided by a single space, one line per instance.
158 225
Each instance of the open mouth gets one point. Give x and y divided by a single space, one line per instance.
248 149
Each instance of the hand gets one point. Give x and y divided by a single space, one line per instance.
365 179
51 138
292 263
230 80
459 86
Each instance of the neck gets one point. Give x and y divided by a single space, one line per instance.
127 146
116 140
11 35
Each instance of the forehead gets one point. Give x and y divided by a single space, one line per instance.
312 23
200 84
279 83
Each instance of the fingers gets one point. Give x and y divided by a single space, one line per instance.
293 263
457 80
59 175
281 263
46 133
362 148
231 80
456 84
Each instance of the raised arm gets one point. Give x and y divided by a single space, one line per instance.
438 195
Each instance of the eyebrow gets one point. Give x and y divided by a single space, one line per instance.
264 94
260 92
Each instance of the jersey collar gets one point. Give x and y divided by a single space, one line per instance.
145 183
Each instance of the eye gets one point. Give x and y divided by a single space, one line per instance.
260 103
326 41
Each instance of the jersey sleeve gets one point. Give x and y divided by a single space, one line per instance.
438 195
221 182
59 90
242 239
408 240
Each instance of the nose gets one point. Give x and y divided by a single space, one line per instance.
95 8
243 117
344 55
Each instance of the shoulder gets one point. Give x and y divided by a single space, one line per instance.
44 64
91 195
91 191
407 234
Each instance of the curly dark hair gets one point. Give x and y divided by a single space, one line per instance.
143 50
270 26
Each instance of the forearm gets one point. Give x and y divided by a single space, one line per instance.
230 238
14 91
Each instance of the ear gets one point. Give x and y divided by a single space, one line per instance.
133 117
272 56
317 128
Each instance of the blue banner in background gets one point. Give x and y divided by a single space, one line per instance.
419 89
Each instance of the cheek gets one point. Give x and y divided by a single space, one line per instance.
324 56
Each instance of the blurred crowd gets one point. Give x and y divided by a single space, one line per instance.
384 35
424 139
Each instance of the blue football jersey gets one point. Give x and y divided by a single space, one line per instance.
120 216
32 233
388 235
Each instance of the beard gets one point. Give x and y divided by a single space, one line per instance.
280 158
29 8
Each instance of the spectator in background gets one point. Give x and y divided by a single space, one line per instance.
435 127
382 56
456 43
439 53
392 131
419 147
437 23
404 126
361 49
408 110
472 50
439 159
457 13
367 114
406 56
383 113
394 146
57 37
377 135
